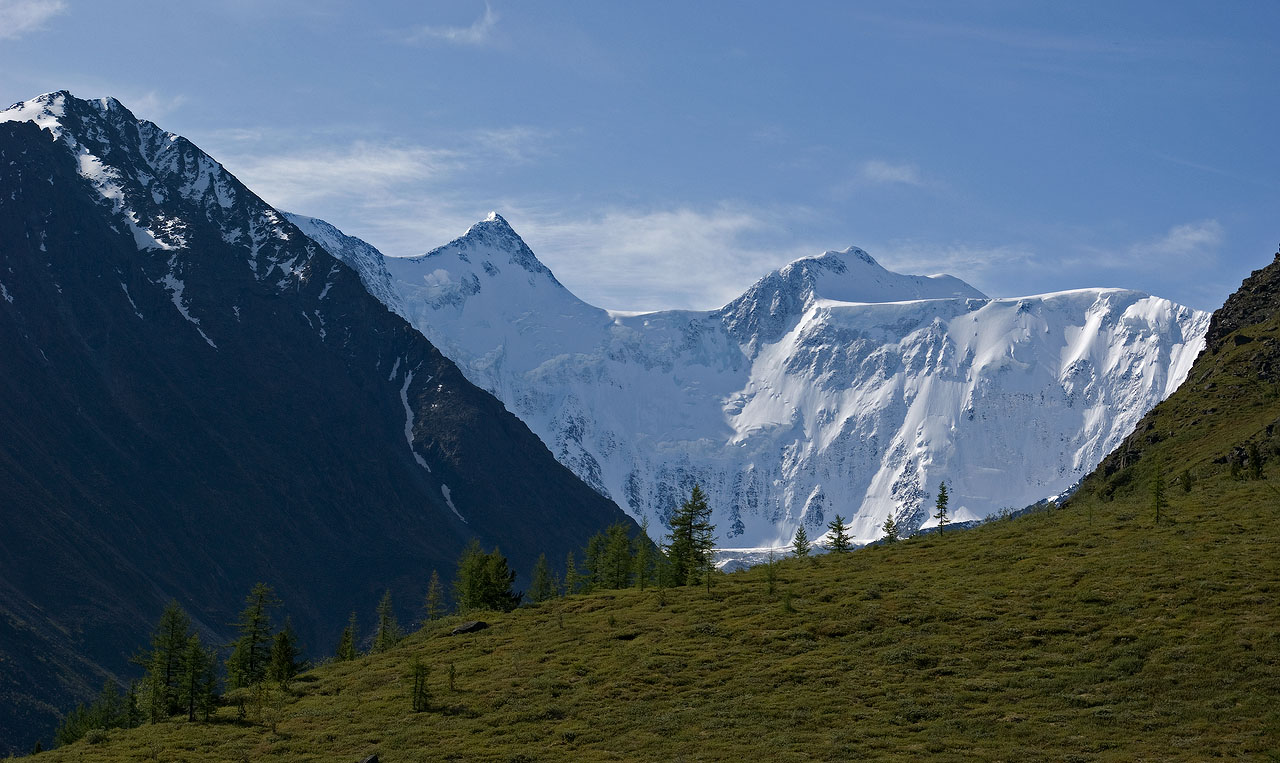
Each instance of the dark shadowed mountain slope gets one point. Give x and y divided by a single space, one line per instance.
194 396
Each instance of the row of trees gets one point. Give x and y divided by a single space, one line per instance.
838 539
180 673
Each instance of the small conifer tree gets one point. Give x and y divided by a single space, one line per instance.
347 649
198 689
247 664
940 506
692 540
571 578
163 662
286 657
1187 480
419 694
619 561
388 633
593 563
434 605
890 530
484 581
543 587
840 541
1255 461
801 545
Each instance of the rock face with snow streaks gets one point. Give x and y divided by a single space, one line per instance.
830 386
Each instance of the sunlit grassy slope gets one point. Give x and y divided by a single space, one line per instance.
1088 632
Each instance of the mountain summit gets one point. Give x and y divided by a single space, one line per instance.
765 311
832 385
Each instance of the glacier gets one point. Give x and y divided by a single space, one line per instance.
831 386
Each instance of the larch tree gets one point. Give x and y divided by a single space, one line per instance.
940 506
839 541
593 561
800 545
434 605
543 587
163 661
692 539
347 649
286 656
484 581
618 558
198 684
890 528
388 632
247 664
571 578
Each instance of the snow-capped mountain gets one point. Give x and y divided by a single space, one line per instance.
831 386
195 396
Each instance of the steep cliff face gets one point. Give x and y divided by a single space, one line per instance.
195 396
830 386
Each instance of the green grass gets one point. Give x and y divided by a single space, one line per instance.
1082 633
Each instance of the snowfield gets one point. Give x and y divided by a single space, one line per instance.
831 386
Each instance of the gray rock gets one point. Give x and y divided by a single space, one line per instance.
470 626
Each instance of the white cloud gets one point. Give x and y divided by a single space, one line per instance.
681 258
17 17
880 171
151 105
1181 241
366 172
976 264
519 144
476 34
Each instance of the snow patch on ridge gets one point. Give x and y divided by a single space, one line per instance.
448 499
129 297
408 416
176 287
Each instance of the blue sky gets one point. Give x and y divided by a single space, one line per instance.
667 154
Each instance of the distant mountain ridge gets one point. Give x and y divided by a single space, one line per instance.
196 396
830 386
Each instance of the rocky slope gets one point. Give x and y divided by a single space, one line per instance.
195 396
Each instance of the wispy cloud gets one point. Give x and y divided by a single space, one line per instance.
363 171
18 17
681 257
1192 239
477 34
880 171
151 105
1266 183
519 144
975 263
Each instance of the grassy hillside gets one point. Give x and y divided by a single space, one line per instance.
1088 632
